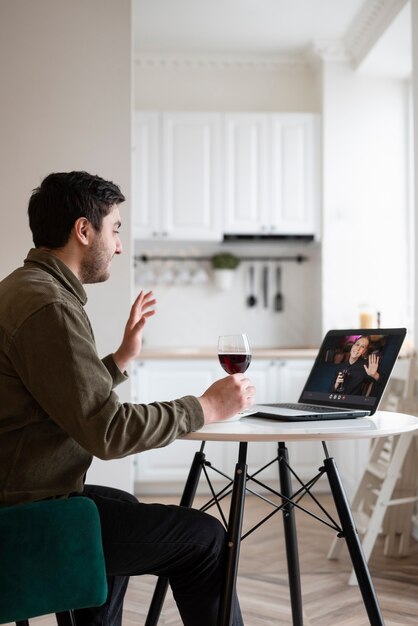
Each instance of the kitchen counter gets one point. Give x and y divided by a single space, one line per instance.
149 353
211 353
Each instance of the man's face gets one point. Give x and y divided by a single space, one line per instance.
95 267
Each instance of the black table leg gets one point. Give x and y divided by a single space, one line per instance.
236 512
353 543
290 535
187 499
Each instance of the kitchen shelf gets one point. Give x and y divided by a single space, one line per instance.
145 258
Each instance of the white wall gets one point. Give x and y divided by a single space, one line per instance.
194 315
224 85
414 22
365 251
65 74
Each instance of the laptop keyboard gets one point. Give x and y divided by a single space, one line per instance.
306 407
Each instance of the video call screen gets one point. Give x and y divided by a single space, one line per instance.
353 369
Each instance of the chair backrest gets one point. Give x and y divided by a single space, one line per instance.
401 393
51 558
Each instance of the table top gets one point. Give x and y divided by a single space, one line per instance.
381 424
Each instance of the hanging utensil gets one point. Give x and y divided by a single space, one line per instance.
266 286
251 300
278 299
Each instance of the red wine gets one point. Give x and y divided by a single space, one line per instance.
235 363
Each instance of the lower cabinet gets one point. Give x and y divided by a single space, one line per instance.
165 470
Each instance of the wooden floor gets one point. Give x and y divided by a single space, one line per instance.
263 586
328 599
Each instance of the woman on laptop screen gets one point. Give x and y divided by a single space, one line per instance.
357 374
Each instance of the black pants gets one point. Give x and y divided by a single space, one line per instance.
183 544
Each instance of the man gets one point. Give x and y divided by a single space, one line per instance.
58 407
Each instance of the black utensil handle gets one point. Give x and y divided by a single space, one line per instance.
265 285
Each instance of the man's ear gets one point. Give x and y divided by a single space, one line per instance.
83 231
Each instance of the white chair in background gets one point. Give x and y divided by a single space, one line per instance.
386 497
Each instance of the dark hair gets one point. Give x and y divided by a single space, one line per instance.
64 197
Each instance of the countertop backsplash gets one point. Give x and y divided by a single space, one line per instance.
192 311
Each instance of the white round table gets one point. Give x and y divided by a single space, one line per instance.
381 424
255 429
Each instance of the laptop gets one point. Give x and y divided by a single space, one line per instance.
347 380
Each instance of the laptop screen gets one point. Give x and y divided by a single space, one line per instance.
353 367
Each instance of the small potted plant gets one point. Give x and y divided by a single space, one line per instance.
224 265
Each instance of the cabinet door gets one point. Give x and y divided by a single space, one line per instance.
271 173
305 457
145 183
191 176
293 376
282 381
165 469
245 173
294 173
264 375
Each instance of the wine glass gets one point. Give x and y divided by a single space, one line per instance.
234 353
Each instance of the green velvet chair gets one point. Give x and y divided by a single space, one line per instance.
51 560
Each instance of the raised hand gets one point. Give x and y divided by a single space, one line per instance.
131 345
371 369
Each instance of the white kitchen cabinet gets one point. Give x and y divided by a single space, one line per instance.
165 470
198 175
246 179
285 384
271 174
192 175
306 457
295 173
176 174
145 176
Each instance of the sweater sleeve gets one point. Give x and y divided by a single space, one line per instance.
55 356
117 376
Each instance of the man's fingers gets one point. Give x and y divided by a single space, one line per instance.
142 302
141 322
142 297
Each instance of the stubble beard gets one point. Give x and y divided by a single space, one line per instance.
95 267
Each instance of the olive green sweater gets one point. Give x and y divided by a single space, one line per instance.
57 404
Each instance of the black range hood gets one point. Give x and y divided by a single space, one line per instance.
231 237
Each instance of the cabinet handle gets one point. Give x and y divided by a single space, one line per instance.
165 234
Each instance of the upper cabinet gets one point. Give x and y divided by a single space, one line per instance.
146 179
197 176
176 176
245 173
272 174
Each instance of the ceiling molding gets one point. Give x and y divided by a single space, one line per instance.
366 29
223 63
369 26
329 50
